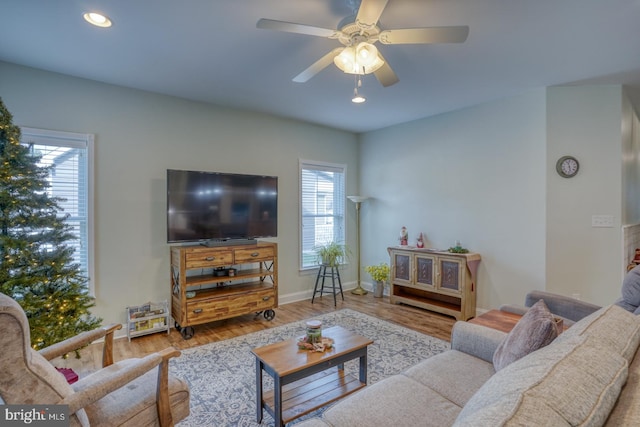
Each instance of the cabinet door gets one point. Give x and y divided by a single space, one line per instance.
402 267
451 275
425 271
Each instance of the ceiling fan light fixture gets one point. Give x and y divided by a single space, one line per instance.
363 59
358 98
366 54
346 60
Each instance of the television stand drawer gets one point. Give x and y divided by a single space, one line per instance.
254 254
206 258
231 305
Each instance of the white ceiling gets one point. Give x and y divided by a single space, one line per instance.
211 51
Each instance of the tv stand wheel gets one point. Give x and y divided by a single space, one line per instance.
269 314
178 327
188 332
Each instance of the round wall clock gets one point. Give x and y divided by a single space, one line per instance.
567 166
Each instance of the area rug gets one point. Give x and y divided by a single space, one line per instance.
221 375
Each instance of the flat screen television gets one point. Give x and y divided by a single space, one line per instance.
217 207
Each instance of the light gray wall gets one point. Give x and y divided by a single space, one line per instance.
486 176
630 161
476 175
585 121
138 136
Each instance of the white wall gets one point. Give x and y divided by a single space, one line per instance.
138 136
585 121
475 175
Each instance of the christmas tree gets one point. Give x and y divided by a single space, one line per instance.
36 263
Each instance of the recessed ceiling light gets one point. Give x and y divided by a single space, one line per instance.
97 19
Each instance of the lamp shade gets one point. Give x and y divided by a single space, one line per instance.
357 199
363 59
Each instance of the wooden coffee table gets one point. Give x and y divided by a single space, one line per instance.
306 380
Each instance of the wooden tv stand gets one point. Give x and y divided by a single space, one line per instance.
226 281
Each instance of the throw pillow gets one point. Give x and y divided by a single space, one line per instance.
630 299
533 331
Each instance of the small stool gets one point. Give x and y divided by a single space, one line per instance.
328 271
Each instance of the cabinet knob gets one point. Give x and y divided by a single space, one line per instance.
255 254
265 298
210 258
197 310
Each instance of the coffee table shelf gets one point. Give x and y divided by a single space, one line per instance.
308 394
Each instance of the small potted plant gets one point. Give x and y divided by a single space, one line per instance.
380 274
331 253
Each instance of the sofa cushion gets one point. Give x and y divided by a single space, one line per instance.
453 374
611 326
626 412
575 380
397 400
534 330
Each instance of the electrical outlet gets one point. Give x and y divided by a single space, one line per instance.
602 221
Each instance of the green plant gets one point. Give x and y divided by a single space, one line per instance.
380 272
331 253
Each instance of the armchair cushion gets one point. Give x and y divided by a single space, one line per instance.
135 403
534 330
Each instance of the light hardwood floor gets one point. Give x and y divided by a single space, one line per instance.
424 321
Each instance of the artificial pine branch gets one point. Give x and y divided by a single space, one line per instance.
36 263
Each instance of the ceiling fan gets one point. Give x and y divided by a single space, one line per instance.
359 55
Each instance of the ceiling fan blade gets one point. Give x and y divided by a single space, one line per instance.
290 27
425 35
369 12
385 75
317 66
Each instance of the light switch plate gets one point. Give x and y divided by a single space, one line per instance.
602 220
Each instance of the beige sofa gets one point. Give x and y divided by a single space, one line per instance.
587 376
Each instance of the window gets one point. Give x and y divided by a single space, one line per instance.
322 206
71 156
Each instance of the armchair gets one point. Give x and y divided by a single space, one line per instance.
131 392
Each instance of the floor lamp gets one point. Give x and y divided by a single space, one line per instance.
359 290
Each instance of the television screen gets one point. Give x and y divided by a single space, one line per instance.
220 206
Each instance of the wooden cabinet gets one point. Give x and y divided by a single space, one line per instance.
215 283
439 281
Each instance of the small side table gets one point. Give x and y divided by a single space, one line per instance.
505 321
328 271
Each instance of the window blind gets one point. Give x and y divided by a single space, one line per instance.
70 157
322 208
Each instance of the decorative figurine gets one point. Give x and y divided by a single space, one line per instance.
420 241
404 236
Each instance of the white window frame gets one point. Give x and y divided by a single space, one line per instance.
338 203
82 141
